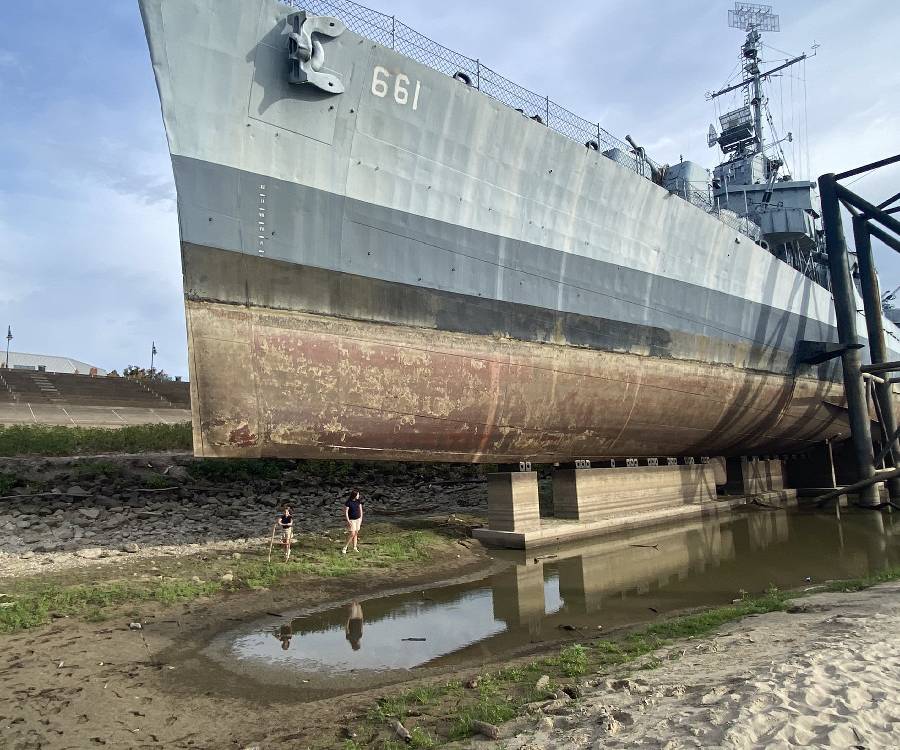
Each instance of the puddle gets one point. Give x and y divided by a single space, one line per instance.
611 582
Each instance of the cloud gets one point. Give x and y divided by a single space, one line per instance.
10 63
103 284
89 261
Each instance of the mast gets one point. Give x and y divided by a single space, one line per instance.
751 70
755 185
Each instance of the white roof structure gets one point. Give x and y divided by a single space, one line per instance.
48 363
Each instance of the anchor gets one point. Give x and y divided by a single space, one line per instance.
306 54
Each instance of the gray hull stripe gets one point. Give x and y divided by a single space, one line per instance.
218 207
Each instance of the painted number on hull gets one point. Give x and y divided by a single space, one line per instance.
382 85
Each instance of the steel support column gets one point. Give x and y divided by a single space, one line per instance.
877 347
845 312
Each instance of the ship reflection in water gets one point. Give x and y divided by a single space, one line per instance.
611 582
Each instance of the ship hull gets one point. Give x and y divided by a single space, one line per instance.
454 282
334 383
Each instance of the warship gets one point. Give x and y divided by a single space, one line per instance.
390 251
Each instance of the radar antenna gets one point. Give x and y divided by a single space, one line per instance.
750 16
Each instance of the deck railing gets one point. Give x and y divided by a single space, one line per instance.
389 32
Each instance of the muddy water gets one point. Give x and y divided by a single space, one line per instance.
542 596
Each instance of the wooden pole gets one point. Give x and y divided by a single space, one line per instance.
272 541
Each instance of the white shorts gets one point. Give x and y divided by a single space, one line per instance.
355 523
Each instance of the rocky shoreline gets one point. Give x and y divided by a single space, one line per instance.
64 511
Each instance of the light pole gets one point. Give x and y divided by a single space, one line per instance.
9 338
152 356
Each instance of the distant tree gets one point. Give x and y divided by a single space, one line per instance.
142 373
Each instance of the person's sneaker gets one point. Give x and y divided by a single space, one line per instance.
344 551
356 549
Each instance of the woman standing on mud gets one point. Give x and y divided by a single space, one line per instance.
286 523
353 515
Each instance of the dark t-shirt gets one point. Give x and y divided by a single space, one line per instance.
286 520
354 509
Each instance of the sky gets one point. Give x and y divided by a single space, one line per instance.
89 255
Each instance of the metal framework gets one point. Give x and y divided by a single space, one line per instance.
390 32
748 16
859 380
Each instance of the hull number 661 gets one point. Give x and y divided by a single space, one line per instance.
382 84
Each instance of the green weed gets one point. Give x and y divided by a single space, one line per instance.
237 469
7 482
54 440
652 663
420 738
573 660
157 482
387 709
31 608
96 469
492 710
858 584
425 694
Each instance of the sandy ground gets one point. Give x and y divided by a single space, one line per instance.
825 674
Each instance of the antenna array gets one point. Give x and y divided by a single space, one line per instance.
750 16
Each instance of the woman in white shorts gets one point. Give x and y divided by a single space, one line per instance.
353 515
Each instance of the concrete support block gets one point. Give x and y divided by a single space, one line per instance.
720 475
592 494
513 501
766 475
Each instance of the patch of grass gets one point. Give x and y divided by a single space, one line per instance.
688 626
54 440
96 469
237 469
517 672
858 584
420 738
609 653
387 709
652 663
35 607
327 470
7 482
573 661
384 549
158 482
425 695
492 710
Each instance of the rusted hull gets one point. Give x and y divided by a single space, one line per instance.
285 383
